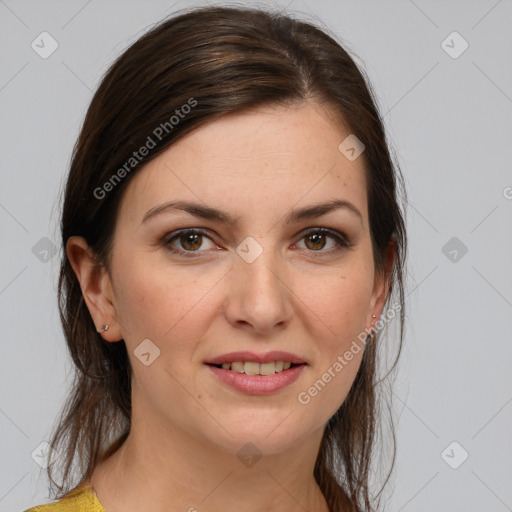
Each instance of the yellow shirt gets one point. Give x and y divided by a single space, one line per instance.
80 499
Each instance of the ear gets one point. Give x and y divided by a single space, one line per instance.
381 286
96 287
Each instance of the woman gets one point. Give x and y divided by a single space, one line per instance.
232 240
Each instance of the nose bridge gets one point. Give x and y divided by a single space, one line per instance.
259 294
258 266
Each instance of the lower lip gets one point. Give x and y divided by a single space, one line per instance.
258 384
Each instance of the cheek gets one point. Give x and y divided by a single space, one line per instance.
338 312
156 302
338 303
169 309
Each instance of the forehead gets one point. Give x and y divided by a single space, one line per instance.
265 160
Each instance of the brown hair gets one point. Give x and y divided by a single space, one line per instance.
220 60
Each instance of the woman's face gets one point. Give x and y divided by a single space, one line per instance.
266 281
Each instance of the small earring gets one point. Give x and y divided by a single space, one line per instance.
372 333
105 328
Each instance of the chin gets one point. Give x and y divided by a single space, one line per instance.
268 434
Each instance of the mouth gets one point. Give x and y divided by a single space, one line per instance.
251 363
254 368
257 374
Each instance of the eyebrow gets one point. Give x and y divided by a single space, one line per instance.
209 213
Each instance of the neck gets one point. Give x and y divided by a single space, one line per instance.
174 471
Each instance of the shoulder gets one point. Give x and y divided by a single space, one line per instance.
80 499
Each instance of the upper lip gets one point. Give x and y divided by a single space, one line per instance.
267 357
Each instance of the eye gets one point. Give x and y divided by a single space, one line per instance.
316 239
186 242
190 240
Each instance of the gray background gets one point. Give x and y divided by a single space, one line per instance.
449 120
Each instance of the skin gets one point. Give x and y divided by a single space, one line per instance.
299 295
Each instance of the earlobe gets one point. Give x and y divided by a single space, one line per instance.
96 289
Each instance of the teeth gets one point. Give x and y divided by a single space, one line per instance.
267 368
252 368
235 367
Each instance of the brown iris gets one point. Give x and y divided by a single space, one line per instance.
191 241
317 240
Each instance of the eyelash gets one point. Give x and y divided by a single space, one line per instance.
342 241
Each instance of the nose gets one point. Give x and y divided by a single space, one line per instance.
259 294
